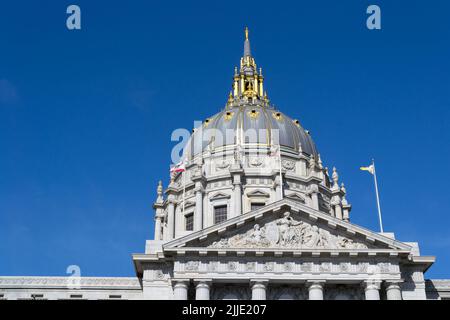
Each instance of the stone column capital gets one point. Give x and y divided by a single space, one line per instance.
180 289
315 284
202 288
389 283
372 289
259 288
202 282
371 284
181 282
259 282
315 289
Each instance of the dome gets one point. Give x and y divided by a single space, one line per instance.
252 126
248 120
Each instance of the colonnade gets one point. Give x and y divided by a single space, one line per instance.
315 289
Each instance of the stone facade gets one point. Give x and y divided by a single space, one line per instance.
255 216
284 250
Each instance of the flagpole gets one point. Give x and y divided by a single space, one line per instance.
184 187
378 197
281 172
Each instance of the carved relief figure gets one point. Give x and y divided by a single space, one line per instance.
346 243
287 232
311 238
256 236
285 224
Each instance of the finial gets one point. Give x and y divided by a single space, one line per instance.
247 51
343 188
230 98
319 162
344 191
159 191
160 188
335 177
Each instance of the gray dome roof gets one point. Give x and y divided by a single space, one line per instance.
251 126
248 119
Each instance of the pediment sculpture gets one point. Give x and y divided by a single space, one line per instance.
286 232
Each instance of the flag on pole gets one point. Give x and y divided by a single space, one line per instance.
369 168
179 167
372 171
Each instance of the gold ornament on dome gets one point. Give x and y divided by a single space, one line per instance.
253 114
229 115
277 115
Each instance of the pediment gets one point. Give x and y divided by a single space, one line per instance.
189 204
287 225
296 197
288 231
219 196
258 193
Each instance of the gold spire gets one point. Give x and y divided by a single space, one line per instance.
248 84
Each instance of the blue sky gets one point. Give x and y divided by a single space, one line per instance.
86 116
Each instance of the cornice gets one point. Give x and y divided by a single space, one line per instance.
65 282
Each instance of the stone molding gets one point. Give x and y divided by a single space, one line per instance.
64 282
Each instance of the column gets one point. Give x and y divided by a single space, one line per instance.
202 290
180 290
393 291
236 172
171 220
259 290
315 289
372 289
198 218
237 200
